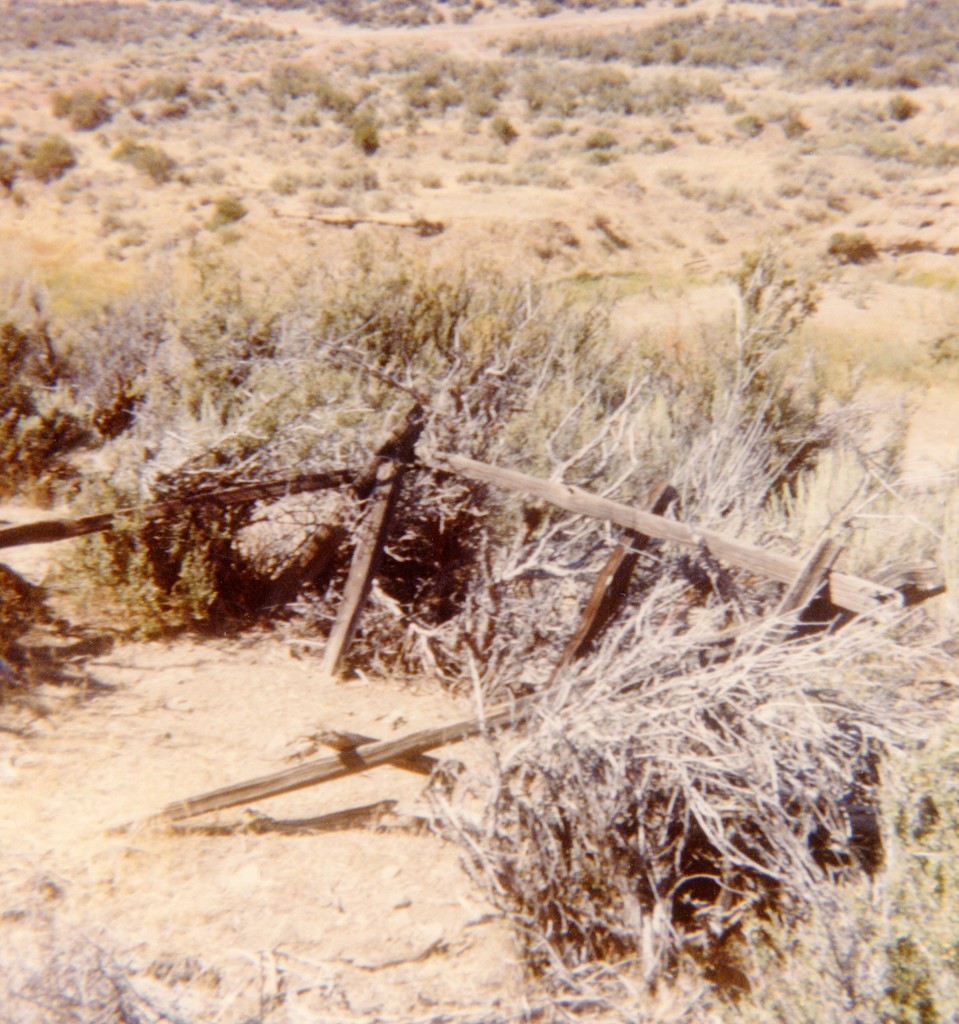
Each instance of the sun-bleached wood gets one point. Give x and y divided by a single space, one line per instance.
850 592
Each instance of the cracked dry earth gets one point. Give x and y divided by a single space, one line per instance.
373 922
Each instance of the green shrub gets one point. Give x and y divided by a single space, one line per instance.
856 247
502 128
149 160
51 158
901 107
36 430
85 109
227 210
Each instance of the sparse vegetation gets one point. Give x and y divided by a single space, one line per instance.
902 107
856 247
85 109
227 210
689 805
503 129
149 160
50 158
365 133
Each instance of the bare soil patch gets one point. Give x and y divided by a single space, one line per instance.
375 921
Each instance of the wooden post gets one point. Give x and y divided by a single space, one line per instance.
366 557
317 554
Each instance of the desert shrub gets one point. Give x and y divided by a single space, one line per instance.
50 158
9 170
286 183
502 129
750 125
38 427
365 133
164 86
227 210
152 161
855 247
902 107
291 81
602 138
86 109
886 950
794 125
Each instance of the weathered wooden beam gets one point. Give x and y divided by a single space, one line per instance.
850 592
609 590
47 531
362 758
366 557
810 579
346 742
314 559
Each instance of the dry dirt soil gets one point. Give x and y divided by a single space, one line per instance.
377 921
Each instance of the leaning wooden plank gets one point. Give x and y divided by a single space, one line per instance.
807 584
369 755
48 530
366 557
849 592
314 559
610 587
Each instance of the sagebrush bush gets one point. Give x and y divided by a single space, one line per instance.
883 950
86 109
227 210
854 247
365 133
51 158
150 160
902 108
9 170
38 425
503 129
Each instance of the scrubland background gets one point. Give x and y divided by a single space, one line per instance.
712 243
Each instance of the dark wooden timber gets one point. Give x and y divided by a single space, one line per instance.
366 558
49 530
609 591
811 578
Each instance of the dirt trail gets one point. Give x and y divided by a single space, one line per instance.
381 921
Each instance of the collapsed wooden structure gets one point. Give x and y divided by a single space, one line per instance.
811 584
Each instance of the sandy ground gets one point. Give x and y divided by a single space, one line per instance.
371 922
